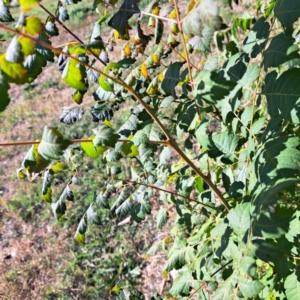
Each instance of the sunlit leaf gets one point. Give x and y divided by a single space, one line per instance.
28 4
53 143
34 25
104 136
13 72
91 150
74 75
5 15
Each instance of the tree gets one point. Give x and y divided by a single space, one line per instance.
213 111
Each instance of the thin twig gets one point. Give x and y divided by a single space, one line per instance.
183 43
70 32
158 17
214 273
169 192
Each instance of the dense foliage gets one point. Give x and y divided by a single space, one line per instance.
213 107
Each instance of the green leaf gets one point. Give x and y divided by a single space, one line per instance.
92 216
34 64
287 12
207 12
283 95
150 131
171 78
125 208
34 25
62 14
104 136
59 207
226 290
4 87
91 150
162 217
282 50
81 230
235 67
74 75
45 53
257 37
120 19
250 288
94 46
211 87
13 72
46 189
202 43
257 126
186 113
159 30
33 162
123 196
53 144
182 283
277 158
292 285
5 15
71 115
51 29
223 143
239 219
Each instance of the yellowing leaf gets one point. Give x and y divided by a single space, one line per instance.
155 59
127 50
173 14
156 11
116 288
117 34
27 46
28 4
144 71
174 28
34 25
13 72
160 77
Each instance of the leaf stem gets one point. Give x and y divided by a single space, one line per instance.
69 31
169 192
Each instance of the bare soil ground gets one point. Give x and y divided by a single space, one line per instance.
33 252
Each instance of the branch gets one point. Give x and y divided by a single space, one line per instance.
183 43
158 17
69 31
74 142
147 108
170 192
